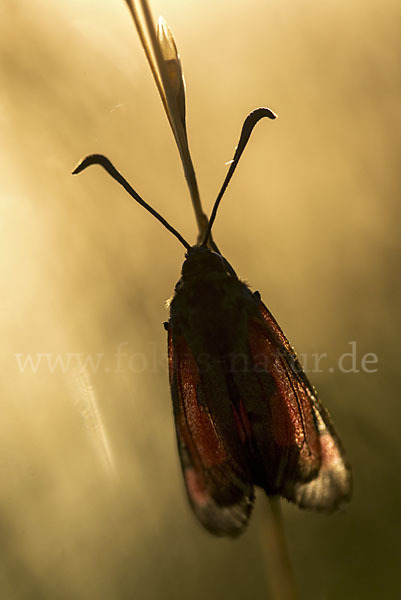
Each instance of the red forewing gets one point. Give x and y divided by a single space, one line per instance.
216 474
309 464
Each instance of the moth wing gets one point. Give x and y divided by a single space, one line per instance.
331 489
219 489
317 475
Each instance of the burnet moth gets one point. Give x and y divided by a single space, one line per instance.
245 413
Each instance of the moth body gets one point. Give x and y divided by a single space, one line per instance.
245 412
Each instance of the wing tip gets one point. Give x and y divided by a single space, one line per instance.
225 521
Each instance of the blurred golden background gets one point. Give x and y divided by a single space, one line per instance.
91 498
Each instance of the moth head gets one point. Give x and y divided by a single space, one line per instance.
201 261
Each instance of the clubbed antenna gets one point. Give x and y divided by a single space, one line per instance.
246 131
102 161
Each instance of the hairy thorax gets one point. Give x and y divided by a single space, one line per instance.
210 306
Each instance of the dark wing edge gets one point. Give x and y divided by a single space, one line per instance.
329 488
220 495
